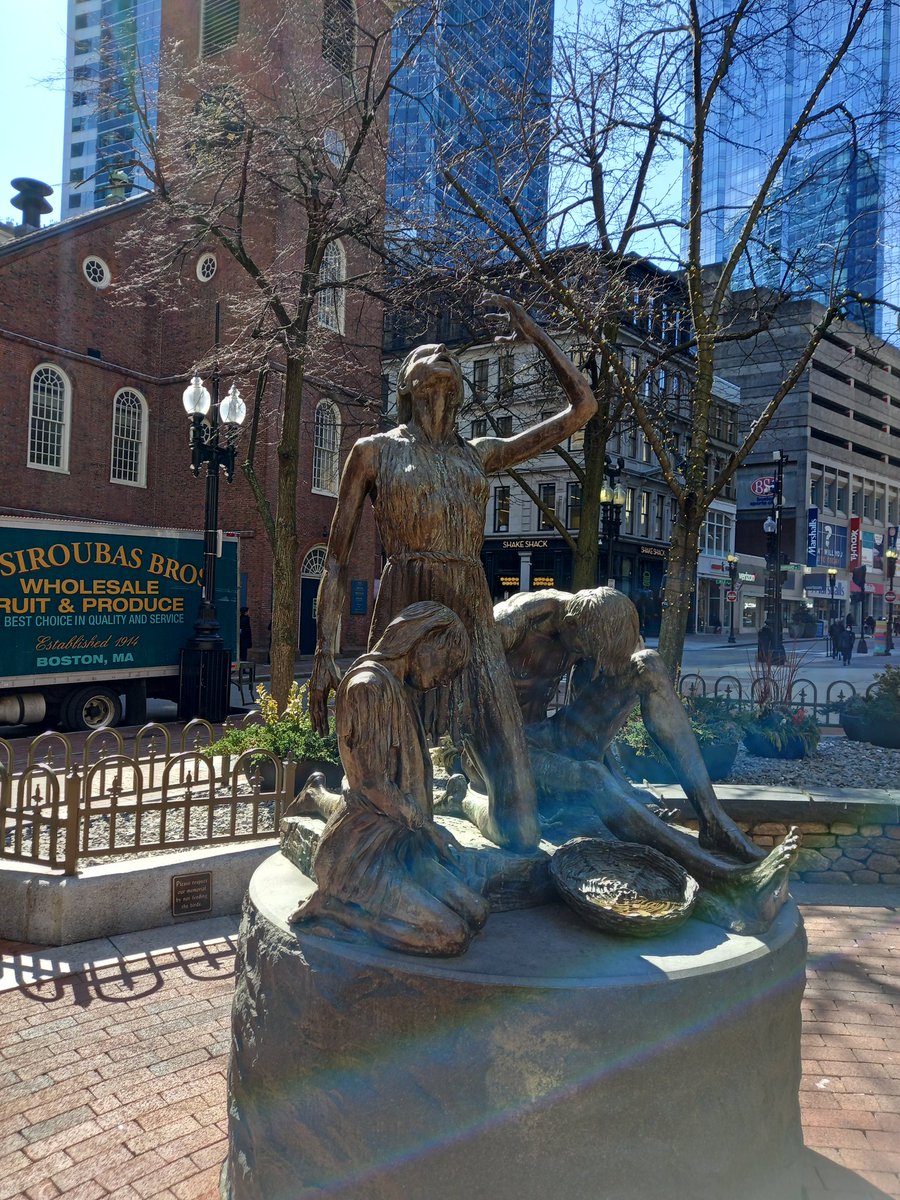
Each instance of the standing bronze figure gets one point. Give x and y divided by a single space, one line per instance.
382 867
429 488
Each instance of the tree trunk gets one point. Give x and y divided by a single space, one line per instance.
284 552
680 579
586 565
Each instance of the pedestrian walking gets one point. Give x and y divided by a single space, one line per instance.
835 629
847 640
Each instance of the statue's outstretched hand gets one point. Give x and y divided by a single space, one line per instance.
521 326
323 681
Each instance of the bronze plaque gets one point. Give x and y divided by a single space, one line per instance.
191 894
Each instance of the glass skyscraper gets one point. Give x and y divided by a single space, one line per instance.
112 71
832 222
474 98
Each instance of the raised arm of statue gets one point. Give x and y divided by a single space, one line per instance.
498 454
356 481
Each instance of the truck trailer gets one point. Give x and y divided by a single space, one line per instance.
94 616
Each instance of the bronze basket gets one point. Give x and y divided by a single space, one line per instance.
622 887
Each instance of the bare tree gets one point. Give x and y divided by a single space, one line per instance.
645 97
275 154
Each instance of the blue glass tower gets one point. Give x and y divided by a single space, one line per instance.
112 75
473 98
129 47
832 221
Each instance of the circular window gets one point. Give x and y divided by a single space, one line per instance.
96 272
206 267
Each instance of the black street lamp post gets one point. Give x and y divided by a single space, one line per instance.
772 530
832 581
890 567
206 660
612 501
732 576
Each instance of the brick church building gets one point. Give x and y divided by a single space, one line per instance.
94 424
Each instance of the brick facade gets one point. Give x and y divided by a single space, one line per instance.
104 340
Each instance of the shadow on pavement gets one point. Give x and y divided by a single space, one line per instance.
827 1180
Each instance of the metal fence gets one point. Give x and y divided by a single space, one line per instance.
63 807
824 705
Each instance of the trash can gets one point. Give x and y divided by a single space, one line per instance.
820 629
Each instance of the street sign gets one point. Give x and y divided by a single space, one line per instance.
731 597
796 568
890 597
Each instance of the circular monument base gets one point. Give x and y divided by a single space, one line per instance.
551 1060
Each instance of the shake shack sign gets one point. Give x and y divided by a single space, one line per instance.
525 543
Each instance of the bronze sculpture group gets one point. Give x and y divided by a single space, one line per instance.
384 868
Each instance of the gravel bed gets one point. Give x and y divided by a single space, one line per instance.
837 763
98 834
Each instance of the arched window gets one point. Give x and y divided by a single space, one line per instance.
331 295
326 448
314 563
129 439
49 419
339 34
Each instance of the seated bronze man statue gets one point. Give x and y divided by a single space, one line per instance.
593 638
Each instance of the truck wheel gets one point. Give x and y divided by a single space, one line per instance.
92 707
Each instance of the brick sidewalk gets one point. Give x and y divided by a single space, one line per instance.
851 1045
113 1080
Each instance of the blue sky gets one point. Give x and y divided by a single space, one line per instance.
32 51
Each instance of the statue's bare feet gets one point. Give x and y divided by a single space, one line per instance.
519 835
768 883
315 799
720 834
775 866
749 900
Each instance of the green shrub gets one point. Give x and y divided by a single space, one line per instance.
882 700
713 720
286 733
781 724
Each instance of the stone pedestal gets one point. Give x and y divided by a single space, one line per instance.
550 1061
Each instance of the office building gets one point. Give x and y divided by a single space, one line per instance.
838 431
112 71
833 206
488 57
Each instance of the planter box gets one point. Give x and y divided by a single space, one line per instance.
763 748
878 731
718 756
